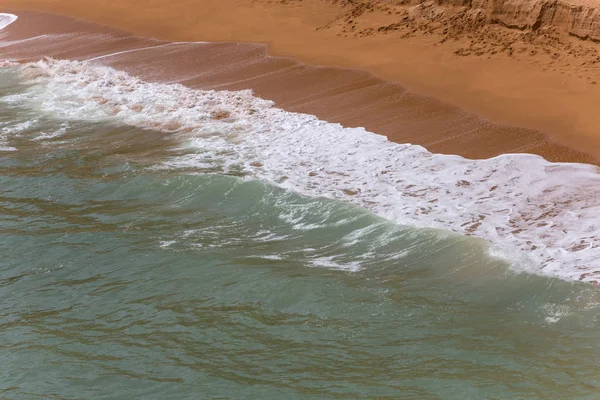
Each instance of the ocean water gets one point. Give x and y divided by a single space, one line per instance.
160 242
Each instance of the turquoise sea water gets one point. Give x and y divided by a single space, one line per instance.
121 278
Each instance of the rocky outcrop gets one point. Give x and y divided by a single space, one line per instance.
575 18
579 18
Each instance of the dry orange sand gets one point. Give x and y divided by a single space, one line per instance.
526 92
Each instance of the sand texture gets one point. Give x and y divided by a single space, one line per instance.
514 63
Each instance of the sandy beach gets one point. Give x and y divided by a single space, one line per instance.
518 90
300 199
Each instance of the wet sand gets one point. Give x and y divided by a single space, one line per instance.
351 97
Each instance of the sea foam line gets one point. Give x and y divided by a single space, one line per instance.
545 214
118 53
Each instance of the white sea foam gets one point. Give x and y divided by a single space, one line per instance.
13 130
333 263
555 312
6 20
47 135
166 243
545 214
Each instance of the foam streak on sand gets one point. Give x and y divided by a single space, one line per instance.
118 53
6 20
545 215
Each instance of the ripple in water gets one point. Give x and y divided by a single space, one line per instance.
142 265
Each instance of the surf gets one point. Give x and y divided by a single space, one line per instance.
542 216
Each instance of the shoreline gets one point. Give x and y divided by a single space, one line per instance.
506 91
351 97
524 204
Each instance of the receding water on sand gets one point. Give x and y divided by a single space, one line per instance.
143 264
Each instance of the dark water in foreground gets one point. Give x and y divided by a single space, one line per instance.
120 279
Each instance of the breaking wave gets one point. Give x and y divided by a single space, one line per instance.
542 215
